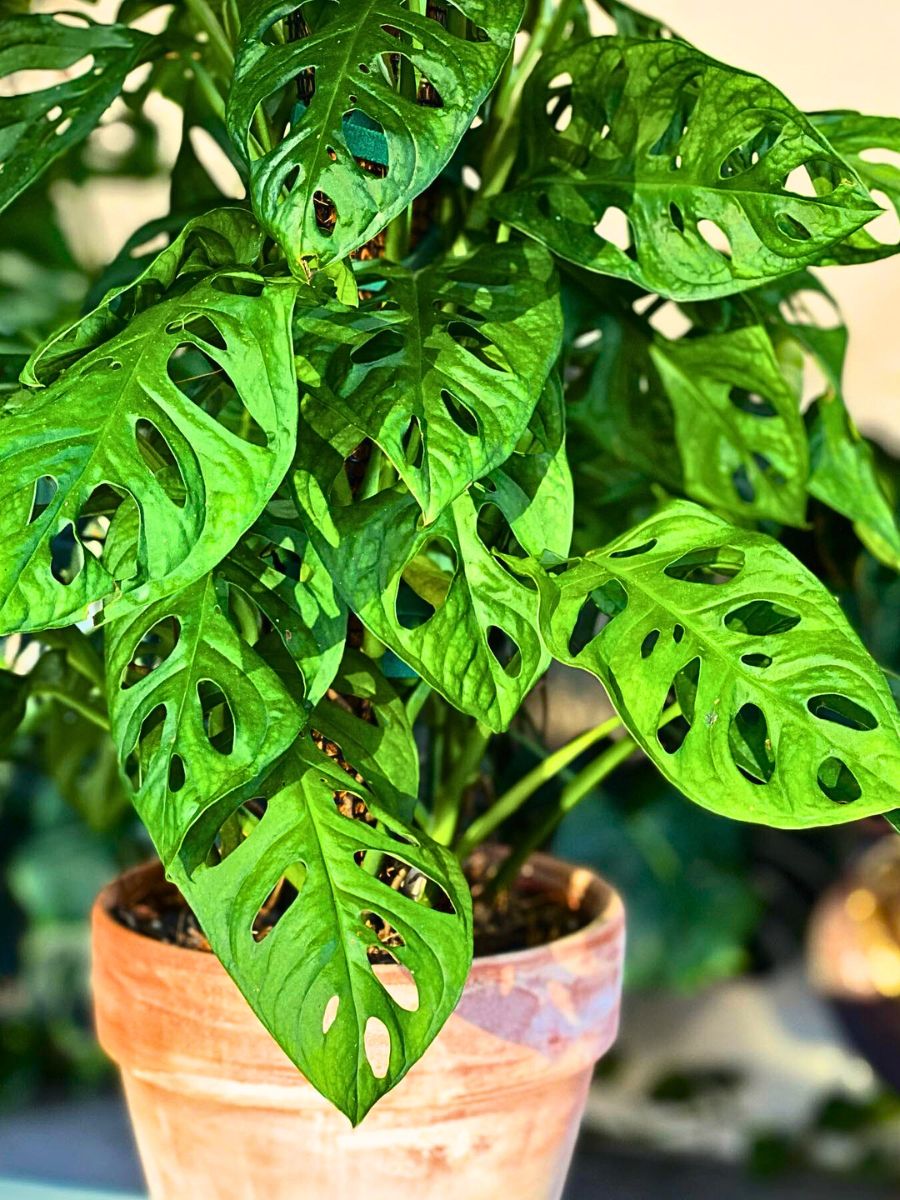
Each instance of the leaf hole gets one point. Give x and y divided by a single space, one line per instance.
460 415
614 228
633 551
198 325
278 903
378 1047
751 402
762 618
840 710
714 236
837 781
743 485
404 992
711 565
505 650
217 716
45 490
160 458
209 386
479 346
382 346
750 744
599 607
792 228
155 648
426 582
678 634
672 734
759 661
751 151
177 777
66 556
676 216
648 645
329 1016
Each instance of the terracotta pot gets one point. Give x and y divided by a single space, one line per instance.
492 1110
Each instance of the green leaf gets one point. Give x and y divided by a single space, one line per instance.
786 719
533 488
631 23
384 741
689 151
319 948
738 426
844 476
619 407
442 367
843 471
226 237
91 63
853 135
348 65
279 571
193 706
145 399
435 594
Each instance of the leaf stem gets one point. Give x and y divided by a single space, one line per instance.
513 799
573 793
218 40
448 797
502 142
66 698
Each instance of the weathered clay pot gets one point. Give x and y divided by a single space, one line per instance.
491 1111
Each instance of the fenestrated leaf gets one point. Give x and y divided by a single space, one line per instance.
738 426
195 705
786 719
225 237
108 423
853 135
533 488
354 61
844 477
843 473
618 406
442 367
680 150
435 595
376 731
319 949
91 63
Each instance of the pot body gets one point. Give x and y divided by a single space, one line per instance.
491 1110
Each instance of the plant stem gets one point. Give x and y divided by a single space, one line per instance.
573 793
218 40
90 714
576 789
511 801
448 797
502 143
416 700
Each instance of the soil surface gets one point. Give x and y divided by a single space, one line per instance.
521 917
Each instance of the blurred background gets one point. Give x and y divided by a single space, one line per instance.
741 1071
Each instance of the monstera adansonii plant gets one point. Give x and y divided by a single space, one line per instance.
301 475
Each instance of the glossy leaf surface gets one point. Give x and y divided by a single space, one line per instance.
355 61
651 162
737 424
202 387
86 66
311 980
786 719
441 368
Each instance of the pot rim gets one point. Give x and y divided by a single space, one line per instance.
610 916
